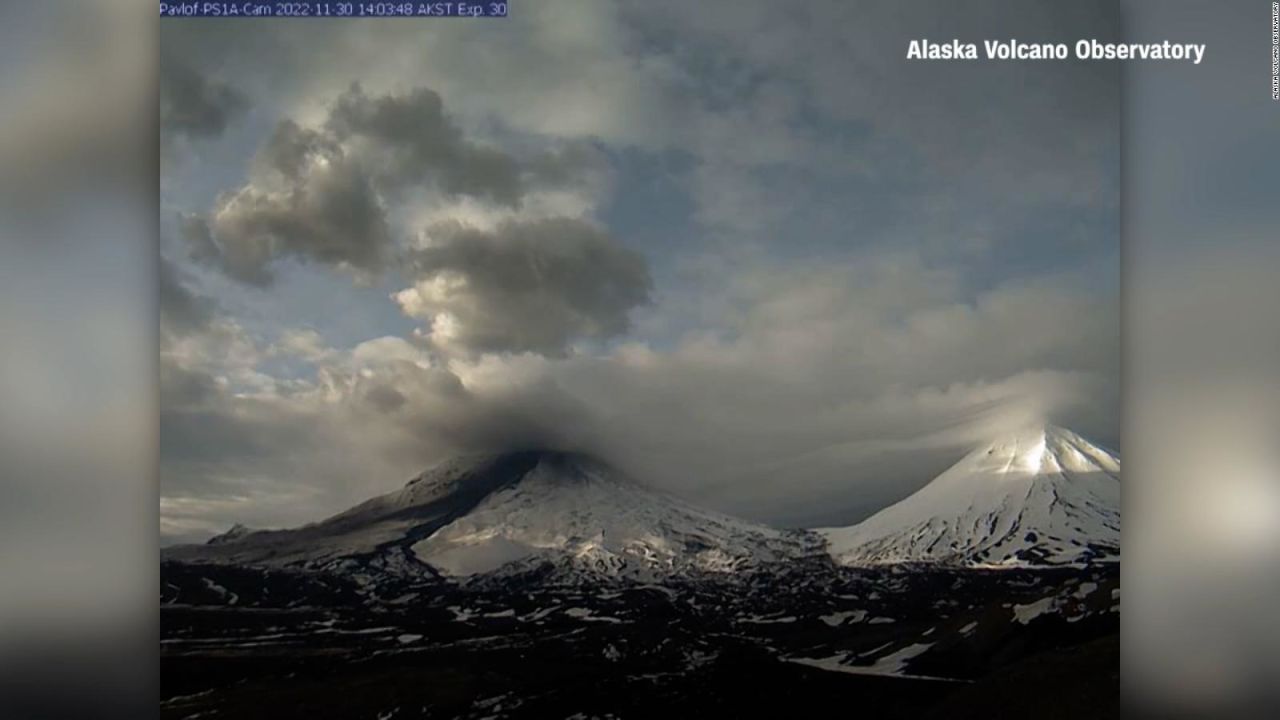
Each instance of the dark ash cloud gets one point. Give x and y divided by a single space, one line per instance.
192 105
330 215
385 398
410 140
525 287
324 194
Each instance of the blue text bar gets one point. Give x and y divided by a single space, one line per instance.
327 9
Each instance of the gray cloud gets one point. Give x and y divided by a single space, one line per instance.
524 287
330 214
661 75
193 105
839 390
325 194
291 148
843 388
385 398
360 425
412 140
181 310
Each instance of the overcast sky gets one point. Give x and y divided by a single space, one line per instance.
744 250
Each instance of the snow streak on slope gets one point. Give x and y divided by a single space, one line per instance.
1041 496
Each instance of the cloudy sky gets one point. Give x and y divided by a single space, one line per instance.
744 250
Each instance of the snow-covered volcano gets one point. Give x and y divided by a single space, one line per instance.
570 506
518 510
1043 496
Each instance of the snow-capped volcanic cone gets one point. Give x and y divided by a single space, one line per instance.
478 514
570 506
1043 496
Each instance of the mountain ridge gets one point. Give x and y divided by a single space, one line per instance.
474 514
1040 496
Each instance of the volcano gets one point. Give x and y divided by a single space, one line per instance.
517 511
1042 496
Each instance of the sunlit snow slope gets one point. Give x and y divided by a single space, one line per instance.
1043 496
573 510
517 510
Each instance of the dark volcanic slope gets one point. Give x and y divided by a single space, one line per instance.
509 513
396 520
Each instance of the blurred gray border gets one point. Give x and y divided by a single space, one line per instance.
1201 178
78 530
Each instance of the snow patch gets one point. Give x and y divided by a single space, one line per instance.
222 592
768 620
891 664
837 619
1024 614
589 615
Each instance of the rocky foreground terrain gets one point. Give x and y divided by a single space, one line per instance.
244 643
